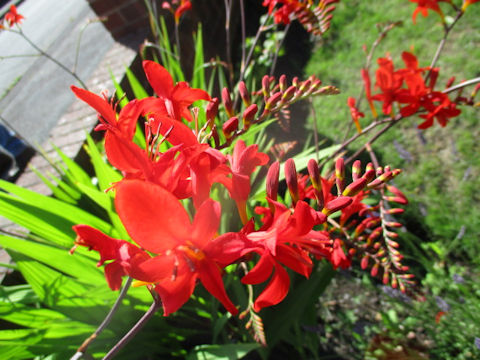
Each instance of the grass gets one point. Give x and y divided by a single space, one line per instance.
441 166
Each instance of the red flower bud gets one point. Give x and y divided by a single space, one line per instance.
227 102
244 93
230 126
289 94
374 270
356 169
314 173
212 110
291 179
266 86
272 180
273 100
364 262
337 204
249 114
282 82
340 175
355 187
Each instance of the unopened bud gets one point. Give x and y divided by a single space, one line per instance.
291 179
244 93
374 270
364 262
337 204
314 173
395 211
394 281
380 180
355 187
249 114
273 100
305 86
398 194
289 94
356 169
227 102
386 277
230 126
266 86
340 175
282 82
272 180
212 110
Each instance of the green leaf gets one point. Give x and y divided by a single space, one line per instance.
77 266
137 88
221 352
119 93
198 80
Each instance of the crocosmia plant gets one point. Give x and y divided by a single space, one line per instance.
210 217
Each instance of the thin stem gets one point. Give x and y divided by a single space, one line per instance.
135 329
244 35
83 348
315 129
19 56
21 33
252 48
462 85
277 51
177 42
441 45
228 13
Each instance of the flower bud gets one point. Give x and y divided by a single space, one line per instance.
356 169
291 179
340 175
289 94
314 173
374 270
230 126
249 114
355 187
273 100
212 110
364 262
227 102
282 82
266 86
244 93
272 180
337 204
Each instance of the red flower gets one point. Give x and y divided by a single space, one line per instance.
173 100
389 82
467 3
185 5
12 17
355 113
183 251
285 239
243 163
425 5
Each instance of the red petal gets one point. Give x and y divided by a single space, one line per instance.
114 273
205 223
153 217
153 270
209 274
96 102
159 78
261 271
275 291
174 293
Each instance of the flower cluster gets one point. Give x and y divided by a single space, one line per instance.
12 17
314 16
171 249
408 88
